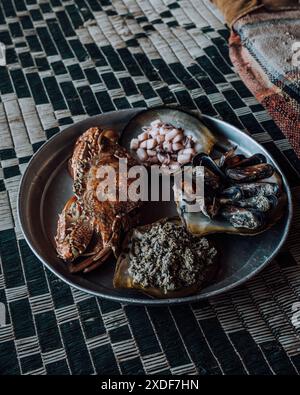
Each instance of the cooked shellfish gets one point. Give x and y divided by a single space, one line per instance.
247 197
86 214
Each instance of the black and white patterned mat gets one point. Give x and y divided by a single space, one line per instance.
67 60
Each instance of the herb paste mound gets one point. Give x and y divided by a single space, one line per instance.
169 258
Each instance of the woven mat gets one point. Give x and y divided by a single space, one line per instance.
67 60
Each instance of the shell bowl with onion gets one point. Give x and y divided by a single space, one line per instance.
193 129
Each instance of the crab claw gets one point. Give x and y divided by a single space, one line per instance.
74 232
101 252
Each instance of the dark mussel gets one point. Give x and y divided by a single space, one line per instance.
243 218
213 183
250 173
259 202
205 160
231 194
211 207
234 161
255 159
245 191
241 195
230 159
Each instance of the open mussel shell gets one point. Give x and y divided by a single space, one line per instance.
235 193
203 159
230 158
122 278
250 173
244 217
261 203
255 159
200 225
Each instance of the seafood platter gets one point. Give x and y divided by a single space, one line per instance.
195 244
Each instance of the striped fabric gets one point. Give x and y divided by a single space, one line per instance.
67 60
264 47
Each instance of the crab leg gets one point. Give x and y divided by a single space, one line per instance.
106 253
74 232
102 255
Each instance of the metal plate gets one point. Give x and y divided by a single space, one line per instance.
46 186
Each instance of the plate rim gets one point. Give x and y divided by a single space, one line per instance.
154 302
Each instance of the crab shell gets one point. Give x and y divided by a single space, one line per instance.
122 278
107 219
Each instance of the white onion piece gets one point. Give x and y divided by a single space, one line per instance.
151 152
177 147
154 132
184 158
166 160
190 151
174 165
167 146
163 130
134 144
160 139
155 122
171 134
142 154
143 136
178 138
160 157
151 143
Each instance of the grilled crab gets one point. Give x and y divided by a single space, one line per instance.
89 225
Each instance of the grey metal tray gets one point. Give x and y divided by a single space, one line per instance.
46 185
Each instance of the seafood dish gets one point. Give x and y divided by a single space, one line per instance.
164 260
241 195
171 257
